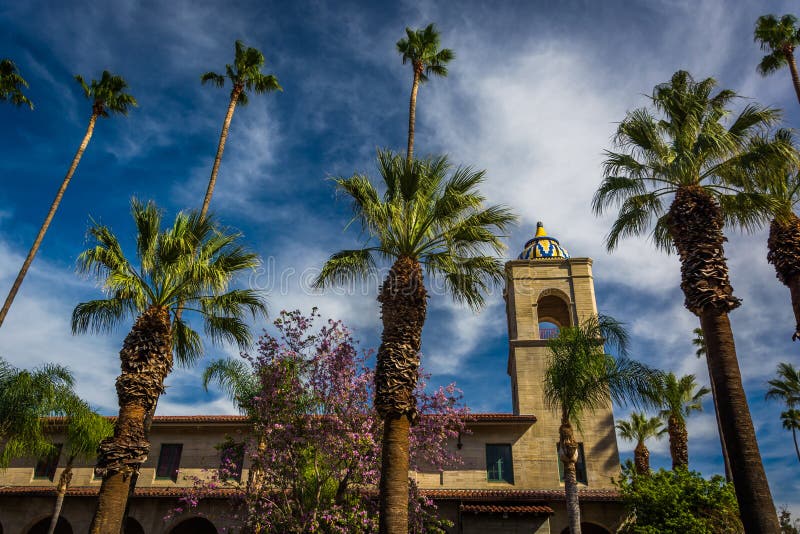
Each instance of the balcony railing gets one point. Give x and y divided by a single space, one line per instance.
548 333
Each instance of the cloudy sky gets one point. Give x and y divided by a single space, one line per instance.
533 97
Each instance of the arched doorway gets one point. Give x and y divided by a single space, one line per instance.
62 527
195 525
589 528
132 526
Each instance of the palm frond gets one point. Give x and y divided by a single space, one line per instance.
345 267
228 329
186 343
99 316
213 78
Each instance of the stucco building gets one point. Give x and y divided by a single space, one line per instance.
510 479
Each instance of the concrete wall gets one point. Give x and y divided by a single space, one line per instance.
527 282
19 514
198 456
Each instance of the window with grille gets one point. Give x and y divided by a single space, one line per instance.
47 465
499 464
580 466
169 461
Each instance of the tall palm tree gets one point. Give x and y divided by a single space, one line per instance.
25 398
430 218
640 428
421 49
192 264
786 388
84 431
11 84
685 153
581 377
781 188
701 352
679 397
107 97
779 37
245 75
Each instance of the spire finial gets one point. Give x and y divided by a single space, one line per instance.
542 246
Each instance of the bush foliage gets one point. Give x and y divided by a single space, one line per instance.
678 501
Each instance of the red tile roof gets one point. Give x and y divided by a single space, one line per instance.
241 419
593 495
519 495
507 509
92 491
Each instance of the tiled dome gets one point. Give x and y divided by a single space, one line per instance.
543 246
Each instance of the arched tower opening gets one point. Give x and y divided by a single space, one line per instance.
553 313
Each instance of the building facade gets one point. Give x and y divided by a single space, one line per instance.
510 479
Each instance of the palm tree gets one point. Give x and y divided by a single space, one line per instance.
240 383
781 188
640 428
787 389
421 48
779 37
11 84
25 398
236 379
433 218
84 432
701 351
689 156
245 75
581 377
107 97
191 263
679 398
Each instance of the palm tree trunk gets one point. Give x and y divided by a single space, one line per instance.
723 448
678 443
783 247
793 68
237 90
403 307
412 112
695 223
146 361
641 458
46 224
63 484
568 452
796 448
750 482
148 423
394 476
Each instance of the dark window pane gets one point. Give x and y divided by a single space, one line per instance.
580 466
231 461
499 464
169 461
46 466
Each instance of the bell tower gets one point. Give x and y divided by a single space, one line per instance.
547 290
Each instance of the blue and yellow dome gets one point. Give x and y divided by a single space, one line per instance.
542 246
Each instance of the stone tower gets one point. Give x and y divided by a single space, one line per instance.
546 290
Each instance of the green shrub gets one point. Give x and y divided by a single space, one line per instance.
678 501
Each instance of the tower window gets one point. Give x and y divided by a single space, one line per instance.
548 330
47 465
169 461
580 466
499 464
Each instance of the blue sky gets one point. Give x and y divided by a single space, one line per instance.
532 97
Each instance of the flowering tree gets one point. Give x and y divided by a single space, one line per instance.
316 447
